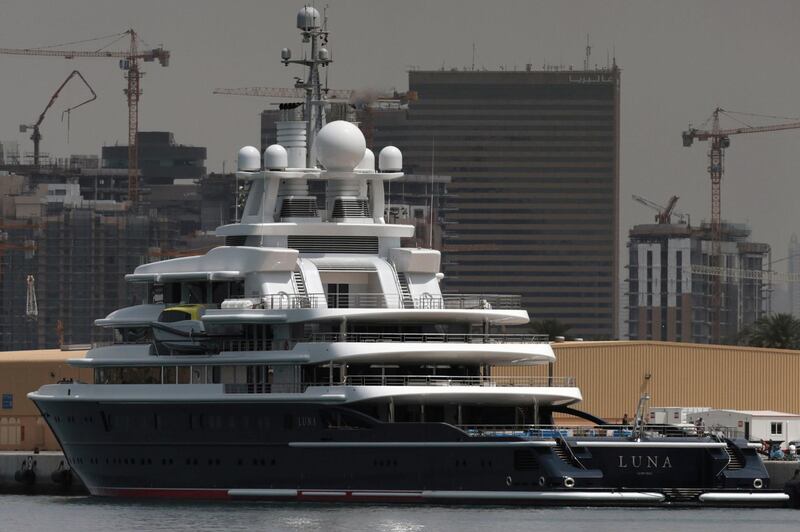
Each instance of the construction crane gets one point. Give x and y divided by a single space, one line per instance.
31 307
129 62
286 93
36 137
720 141
664 214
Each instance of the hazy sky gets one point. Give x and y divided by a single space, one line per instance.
679 61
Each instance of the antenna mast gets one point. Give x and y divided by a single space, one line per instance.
588 54
313 28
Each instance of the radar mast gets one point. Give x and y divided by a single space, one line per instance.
313 28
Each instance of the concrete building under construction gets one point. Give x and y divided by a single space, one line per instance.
670 282
71 255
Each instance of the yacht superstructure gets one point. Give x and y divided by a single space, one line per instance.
313 357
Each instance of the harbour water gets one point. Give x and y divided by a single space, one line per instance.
64 514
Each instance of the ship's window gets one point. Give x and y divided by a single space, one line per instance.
171 316
140 375
219 292
195 292
132 335
155 293
338 295
172 293
222 290
170 375
184 374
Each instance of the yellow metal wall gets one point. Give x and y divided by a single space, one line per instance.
611 376
23 428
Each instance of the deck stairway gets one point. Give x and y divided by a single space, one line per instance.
300 286
736 462
682 494
563 451
405 293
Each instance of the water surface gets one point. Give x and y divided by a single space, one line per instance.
63 514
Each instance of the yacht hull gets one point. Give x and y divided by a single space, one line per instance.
308 452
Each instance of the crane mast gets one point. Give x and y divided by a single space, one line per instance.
133 92
36 136
129 62
720 141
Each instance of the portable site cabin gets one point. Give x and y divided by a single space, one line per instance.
674 415
754 425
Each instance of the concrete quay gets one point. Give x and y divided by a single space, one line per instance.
29 473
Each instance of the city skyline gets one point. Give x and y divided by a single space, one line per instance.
679 61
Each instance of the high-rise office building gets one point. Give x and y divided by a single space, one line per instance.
532 208
794 267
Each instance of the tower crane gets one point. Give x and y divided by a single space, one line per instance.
664 214
129 62
720 141
36 137
286 93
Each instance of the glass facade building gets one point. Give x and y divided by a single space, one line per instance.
532 207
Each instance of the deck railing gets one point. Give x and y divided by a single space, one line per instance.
429 337
380 300
589 431
404 380
456 380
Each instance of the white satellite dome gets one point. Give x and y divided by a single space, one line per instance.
390 159
308 18
367 164
340 146
276 157
249 159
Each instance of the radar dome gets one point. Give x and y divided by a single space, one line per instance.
390 159
249 159
367 163
276 157
340 146
308 18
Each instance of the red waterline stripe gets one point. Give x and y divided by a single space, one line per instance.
156 493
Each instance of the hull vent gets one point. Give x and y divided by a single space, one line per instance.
335 244
236 240
350 208
525 461
299 208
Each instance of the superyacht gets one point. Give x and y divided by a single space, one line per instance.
313 357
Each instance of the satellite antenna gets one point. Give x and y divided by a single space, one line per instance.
588 54
314 29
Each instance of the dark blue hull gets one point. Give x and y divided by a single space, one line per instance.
315 452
